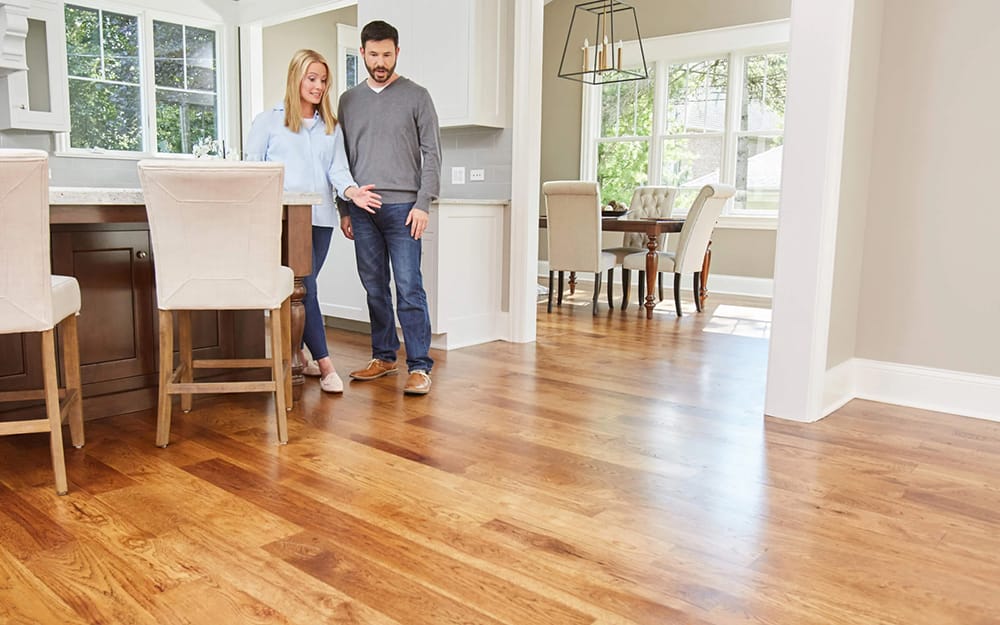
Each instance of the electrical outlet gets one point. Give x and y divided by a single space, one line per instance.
477 175
457 175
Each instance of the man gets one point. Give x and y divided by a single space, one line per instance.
392 139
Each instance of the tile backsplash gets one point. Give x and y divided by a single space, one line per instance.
489 149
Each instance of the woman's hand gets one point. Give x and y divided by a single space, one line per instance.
345 227
364 197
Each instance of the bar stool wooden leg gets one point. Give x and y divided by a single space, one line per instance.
69 342
278 350
166 373
286 341
52 409
186 360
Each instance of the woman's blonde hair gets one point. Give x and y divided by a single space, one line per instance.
297 69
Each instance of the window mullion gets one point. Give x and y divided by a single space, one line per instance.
655 172
148 80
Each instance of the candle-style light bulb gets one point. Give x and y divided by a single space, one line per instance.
620 46
586 44
607 54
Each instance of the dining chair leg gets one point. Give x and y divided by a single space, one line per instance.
677 293
51 386
611 283
626 277
697 291
597 291
166 372
559 296
70 344
659 286
549 307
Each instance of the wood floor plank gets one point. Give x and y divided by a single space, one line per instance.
27 600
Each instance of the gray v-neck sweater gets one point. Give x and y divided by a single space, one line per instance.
393 141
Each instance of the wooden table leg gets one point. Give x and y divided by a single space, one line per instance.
705 265
298 315
572 283
298 256
652 266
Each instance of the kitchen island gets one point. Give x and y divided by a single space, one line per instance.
101 237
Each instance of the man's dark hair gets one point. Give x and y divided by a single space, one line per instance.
379 31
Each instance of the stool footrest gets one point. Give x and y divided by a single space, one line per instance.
25 427
221 387
232 363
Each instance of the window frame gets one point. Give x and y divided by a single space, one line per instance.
735 44
147 79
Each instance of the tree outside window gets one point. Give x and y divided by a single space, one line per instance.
106 55
719 118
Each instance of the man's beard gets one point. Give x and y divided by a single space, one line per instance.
389 71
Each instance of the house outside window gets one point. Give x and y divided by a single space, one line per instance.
139 84
711 111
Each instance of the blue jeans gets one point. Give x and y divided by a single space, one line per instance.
380 240
314 335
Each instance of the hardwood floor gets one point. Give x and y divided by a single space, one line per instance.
596 476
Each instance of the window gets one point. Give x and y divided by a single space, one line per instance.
712 110
350 70
139 84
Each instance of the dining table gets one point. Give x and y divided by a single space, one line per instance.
652 228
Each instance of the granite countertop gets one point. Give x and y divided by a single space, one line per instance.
131 197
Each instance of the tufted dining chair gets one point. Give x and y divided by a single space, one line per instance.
34 300
648 202
215 227
573 210
691 243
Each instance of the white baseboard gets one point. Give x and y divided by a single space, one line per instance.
717 283
940 390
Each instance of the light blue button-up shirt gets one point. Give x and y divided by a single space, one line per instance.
315 162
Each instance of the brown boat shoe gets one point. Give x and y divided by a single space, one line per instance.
419 383
375 369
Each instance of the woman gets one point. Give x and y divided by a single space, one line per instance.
303 134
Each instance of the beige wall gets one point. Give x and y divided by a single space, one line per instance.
862 89
281 41
735 252
928 294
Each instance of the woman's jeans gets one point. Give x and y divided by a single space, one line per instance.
381 240
314 335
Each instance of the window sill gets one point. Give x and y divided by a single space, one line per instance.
740 222
118 156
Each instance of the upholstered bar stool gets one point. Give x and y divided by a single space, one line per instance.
33 300
216 233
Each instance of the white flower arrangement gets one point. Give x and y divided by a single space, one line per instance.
214 148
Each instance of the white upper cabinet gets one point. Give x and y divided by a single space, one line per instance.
460 50
36 98
13 30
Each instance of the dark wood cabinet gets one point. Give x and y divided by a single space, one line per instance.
113 264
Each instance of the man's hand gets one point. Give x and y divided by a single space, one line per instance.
417 221
364 197
345 227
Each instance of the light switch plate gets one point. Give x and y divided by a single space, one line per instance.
457 175
477 175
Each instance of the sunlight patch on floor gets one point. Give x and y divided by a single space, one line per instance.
740 321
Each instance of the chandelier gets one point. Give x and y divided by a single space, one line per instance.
602 61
